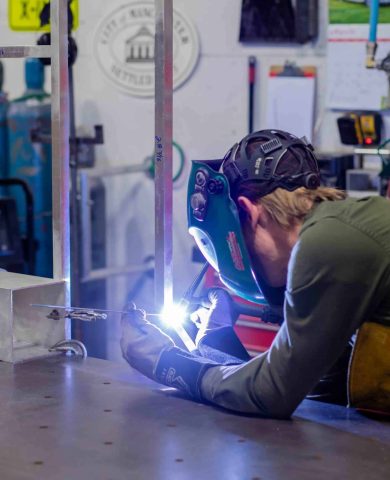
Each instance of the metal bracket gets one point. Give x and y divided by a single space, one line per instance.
73 346
82 145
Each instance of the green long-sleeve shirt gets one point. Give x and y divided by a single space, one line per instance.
338 278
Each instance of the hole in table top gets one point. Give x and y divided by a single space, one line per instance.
38 462
178 460
108 443
47 396
42 427
107 410
171 425
106 383
314 457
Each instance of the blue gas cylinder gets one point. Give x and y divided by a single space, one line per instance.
3 127
32 161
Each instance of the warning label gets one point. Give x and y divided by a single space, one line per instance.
34 15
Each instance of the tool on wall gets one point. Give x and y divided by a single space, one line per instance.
251 86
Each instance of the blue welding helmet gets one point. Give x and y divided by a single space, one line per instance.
214 223
271 158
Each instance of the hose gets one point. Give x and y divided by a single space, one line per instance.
149 161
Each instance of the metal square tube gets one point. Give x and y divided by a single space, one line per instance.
163 152
24 51
60 139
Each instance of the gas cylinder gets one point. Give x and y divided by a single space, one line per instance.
3 127
31 161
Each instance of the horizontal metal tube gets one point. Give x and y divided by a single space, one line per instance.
371 151
114 171
102 273
35 51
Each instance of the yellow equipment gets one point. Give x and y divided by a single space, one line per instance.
369 373
26 15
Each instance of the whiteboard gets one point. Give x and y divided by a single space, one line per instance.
350 85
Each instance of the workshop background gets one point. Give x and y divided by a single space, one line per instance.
211 111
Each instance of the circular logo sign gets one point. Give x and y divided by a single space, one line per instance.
124 47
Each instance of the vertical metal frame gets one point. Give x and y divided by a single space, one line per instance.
58 51
60 147
60 139
85 222
27 334
163 152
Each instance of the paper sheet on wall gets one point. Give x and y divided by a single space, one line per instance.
291 104
350 85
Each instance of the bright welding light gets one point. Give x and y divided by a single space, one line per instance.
173 314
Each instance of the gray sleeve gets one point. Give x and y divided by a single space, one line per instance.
333 286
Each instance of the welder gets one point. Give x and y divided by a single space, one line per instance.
269 229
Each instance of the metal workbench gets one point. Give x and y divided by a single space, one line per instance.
69 418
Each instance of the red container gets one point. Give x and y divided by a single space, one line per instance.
255 335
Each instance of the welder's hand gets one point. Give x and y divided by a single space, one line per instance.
142 343
147 349
220 312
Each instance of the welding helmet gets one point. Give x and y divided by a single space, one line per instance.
270 158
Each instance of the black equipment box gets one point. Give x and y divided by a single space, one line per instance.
279 21
360 128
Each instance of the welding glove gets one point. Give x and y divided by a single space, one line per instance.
216 320
142 343
150 351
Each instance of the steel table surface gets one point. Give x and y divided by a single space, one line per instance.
72 418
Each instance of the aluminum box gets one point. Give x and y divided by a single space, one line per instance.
25 331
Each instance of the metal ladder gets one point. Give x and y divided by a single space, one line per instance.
58 52
19 323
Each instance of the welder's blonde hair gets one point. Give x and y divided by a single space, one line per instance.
288 208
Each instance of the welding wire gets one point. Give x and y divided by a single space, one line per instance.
86 309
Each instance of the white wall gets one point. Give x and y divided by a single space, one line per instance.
210 113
